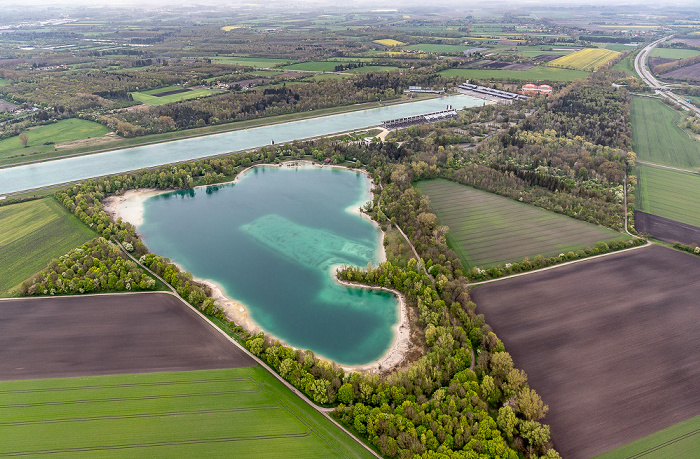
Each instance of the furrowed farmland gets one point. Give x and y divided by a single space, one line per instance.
610 344
31 234
488 230
242 412
657 138
668 193
589 59
677 441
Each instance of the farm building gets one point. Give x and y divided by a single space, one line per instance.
533 89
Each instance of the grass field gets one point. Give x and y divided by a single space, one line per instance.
329 66
31 234
657 138
4 82
243 412
539 73
437 48
667 193
673 53
488 230
146 97
589 59
257 62
62 131
679 441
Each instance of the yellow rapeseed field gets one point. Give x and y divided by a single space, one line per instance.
589 59
389 42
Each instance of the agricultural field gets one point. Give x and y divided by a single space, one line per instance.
329 66
679 441
389 42
537 74
488 230
690 72
610 344
171 94
42 139
31 234
437 48
673 53
657 138
589 59
668 193
241 412
257 62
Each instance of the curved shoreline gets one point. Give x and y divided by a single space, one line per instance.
130 207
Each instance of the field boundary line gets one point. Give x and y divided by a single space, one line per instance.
323 411
662 166
581 260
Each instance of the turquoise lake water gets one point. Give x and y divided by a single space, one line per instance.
30 176
270 241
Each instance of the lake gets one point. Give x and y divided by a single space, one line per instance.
271 240
30 176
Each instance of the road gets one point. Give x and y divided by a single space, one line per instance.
640 65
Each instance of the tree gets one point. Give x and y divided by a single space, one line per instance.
530 405
346 394
507 421
24 139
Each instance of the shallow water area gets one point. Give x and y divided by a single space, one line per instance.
270 240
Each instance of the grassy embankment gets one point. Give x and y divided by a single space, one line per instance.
679 441
120 142
31 234
669 194
657 138
11 149
539 73
488 230
242 412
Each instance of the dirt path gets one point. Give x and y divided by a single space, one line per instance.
671 168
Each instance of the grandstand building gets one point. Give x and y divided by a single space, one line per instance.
406 121
496 95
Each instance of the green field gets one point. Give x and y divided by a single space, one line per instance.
31 234
437 48
62 131
147 97
657 138
329 66
488 230
673 53
257 62
539 73
669 194
4 82
680 441
240 413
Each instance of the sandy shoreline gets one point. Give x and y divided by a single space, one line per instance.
130 208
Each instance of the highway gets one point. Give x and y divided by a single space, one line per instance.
640 65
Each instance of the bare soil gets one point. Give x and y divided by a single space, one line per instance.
518 67
54 337
610 344
689 72
546 57
665 229
6 106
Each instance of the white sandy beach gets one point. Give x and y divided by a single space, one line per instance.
130 208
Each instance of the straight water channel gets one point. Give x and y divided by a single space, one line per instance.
30 176
270 241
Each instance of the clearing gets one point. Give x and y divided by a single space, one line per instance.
31 234
257 62
657 138
668 193
488 230
169 94
242 413
610 344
